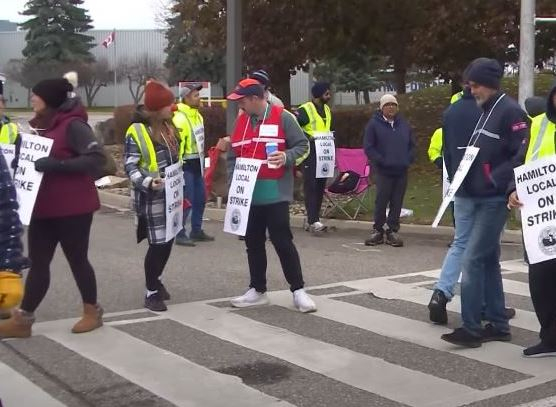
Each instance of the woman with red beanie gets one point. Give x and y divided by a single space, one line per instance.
75 159
152 143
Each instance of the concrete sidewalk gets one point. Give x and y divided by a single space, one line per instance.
122 203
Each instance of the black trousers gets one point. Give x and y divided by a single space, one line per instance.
389 193
542 284
155 262
72 233
275 218
313 187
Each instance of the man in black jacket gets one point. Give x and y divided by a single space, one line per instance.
480 203
390 147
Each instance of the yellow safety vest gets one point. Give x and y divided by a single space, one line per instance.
541 141
455 97
8 133
141 136
186 119
316 122
435 147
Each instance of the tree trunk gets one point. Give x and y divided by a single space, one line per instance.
281 85
357 98
366 97
399 79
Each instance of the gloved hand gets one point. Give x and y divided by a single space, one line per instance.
47 164
11 289
438 163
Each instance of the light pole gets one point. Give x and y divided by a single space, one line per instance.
234 47
526 50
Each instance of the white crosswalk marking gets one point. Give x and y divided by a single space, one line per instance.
183 382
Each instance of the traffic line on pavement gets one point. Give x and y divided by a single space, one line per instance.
333 361
14 387
178 380
548 402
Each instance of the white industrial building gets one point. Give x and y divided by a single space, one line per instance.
131 44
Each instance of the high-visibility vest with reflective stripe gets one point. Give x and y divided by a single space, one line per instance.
186 119
541 141
455 97
8 133
141 136
435 147
316 122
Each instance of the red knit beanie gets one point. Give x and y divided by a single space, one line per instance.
157 96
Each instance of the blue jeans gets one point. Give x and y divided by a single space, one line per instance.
194 192
480 222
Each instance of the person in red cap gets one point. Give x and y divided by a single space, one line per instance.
152 143
75 160
260 123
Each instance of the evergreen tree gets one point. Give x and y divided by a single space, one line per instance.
55 32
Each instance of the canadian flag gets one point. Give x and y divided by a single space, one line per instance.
109 40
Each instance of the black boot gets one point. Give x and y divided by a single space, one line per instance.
437 308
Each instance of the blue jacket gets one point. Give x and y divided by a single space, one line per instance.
499 141
390 148
11 248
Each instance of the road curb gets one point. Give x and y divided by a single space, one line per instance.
123 203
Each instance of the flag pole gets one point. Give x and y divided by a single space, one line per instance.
115 69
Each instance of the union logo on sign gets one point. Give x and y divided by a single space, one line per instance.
547 240
235 219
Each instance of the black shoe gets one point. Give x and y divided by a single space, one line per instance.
377 237
154 302
490 334
393 239
200 236
437 308
184 240
509 312
462 337
241 238
539 350
164 293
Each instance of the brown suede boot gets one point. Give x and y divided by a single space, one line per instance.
18 326
91 319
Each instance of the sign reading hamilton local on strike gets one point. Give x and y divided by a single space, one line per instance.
325 152
173 188
244 178
27 181
536 189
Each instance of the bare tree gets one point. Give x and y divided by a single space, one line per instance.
137 72
94 76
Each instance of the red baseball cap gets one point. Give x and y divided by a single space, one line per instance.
247 87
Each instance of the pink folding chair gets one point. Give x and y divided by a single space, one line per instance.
350 159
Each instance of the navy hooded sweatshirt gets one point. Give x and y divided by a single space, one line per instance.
498 128
389 147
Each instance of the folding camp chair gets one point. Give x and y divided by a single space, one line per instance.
350 159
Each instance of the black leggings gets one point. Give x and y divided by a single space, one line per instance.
155 261
72 232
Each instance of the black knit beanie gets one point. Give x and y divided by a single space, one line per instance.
319 89
54 92
485 71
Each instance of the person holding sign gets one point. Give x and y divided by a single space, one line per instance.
12 260
269 177
75 160
315 118
390 147
8 130
152 145
542 276
189 122
480 164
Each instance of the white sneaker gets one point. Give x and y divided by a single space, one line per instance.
303 302
251 298
317 227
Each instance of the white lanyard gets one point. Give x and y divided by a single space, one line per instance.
485 122
259 125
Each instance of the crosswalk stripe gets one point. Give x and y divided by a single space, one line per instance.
335 362
503 355
177 380
385 288
14 385
548 402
